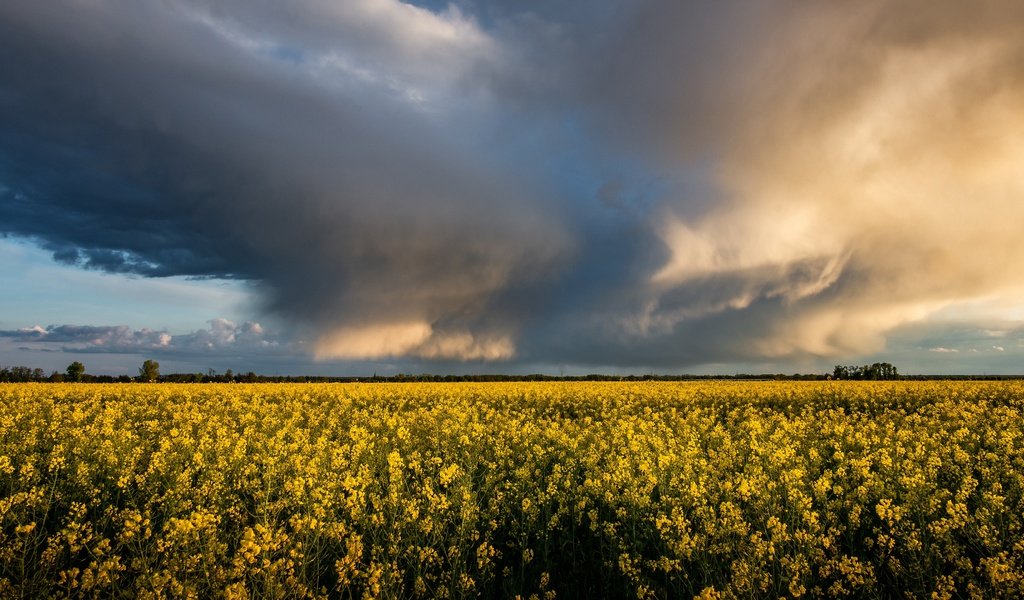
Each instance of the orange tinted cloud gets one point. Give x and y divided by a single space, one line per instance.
880 144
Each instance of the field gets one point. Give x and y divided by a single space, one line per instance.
551 490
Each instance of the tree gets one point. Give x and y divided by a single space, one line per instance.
841 372
75 371
149 371
873 372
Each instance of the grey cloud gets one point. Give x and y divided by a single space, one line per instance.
222 335
110 338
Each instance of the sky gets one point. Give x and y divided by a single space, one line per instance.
375 186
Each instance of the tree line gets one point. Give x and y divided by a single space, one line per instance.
150 372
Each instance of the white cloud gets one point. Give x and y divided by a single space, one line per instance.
415 53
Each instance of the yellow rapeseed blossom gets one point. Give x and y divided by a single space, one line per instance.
545 490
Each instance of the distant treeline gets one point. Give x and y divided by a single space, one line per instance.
867 372
27 374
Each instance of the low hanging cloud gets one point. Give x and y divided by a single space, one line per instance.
221 335
698 183
118 338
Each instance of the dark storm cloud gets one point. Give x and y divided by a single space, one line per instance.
609 183
167 139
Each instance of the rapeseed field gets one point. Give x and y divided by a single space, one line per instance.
535 490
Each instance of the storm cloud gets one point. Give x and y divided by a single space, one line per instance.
621 184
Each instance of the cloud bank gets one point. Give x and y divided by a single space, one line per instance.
625 184
221 335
